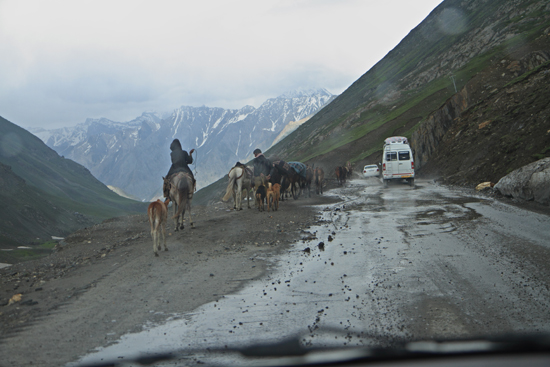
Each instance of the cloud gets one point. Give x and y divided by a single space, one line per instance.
63 61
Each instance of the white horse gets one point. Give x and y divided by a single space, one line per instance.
240 178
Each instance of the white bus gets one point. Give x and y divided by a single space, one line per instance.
397 160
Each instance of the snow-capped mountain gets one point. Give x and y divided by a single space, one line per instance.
134 155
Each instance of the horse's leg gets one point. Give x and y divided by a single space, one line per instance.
163 228
188 204
176 219
154 234
240 194
155 246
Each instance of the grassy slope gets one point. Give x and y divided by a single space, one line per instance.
354 126
44 194
361 109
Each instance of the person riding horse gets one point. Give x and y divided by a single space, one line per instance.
180 160
262 167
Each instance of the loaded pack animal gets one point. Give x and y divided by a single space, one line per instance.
301 170
261 194
240 178
289 174
318 177
276 178
341 174
158 213
179 189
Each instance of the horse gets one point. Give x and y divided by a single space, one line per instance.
287 173
309 178
158 213
276 190
349 169
318 177
283 182
261 193
179 188
341 174
240 178
301 171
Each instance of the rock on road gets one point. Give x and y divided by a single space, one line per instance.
381 265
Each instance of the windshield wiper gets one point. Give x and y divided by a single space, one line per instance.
295 354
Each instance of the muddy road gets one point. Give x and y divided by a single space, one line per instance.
362 265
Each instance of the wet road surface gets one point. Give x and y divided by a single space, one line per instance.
381 266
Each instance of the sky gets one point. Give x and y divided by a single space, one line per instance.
62 61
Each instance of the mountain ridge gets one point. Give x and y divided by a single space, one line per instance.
128 155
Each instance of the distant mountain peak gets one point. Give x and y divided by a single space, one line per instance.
305 92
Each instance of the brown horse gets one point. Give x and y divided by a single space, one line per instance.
341 174
288 176
318 177
158 213
309 178
179 189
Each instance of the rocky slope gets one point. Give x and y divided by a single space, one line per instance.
499 122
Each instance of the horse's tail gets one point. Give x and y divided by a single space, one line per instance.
181 205
185 193
229 190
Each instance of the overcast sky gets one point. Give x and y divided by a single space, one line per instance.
64 61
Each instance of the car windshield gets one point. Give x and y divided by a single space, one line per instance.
181 183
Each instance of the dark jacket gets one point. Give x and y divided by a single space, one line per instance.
261 165
180 159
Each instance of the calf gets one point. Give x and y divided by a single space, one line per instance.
276 195
158 213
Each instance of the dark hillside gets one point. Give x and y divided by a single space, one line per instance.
43 194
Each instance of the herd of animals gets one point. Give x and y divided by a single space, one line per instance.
179 189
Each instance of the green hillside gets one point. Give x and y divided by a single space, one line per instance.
46 195
458 39
480 50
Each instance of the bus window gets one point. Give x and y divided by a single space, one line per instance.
404 156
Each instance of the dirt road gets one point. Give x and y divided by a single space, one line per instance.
399 263
395 264
106 282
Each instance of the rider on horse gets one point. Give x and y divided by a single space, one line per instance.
180 160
